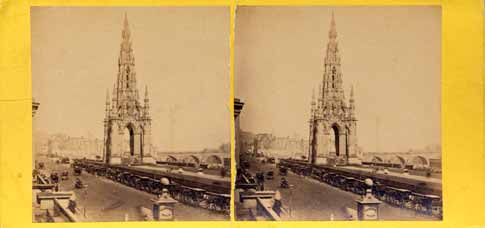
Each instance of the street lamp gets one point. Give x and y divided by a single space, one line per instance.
163 206
368 206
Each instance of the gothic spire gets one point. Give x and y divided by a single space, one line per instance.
332 46
126 107
352 103
320 90
313 96
146 106
125 91
107 108
352 93
107 97
126 28
332 74
114 91
332 34
332 107
113 96
313 107
126 52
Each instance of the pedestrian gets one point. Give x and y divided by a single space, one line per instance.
277 205
72 206
260 178
223 172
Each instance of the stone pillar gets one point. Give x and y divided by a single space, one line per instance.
312 154
321 144
325 144
350 143
147 147
116 145
137 145
342 143
105 147
312 144
106 142
310 141
318 145
353 139
354 157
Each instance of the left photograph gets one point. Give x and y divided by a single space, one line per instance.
131 114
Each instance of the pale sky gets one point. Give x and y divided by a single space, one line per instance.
391 55
181 53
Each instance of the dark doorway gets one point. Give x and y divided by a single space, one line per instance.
336 140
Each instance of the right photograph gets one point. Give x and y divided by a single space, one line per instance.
338 113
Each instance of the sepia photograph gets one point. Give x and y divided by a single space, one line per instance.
338 113
131 114
242 113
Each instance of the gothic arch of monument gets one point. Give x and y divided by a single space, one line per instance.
130 133
125 112
332 120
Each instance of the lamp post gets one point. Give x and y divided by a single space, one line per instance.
163 206
368 206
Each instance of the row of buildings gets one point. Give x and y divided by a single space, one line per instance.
91 147
64 145
288 146
296 147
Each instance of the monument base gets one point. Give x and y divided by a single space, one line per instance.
354 161
321 161
338 161
148 160
368 208
115 161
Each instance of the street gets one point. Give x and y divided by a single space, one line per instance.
310 200
104 200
